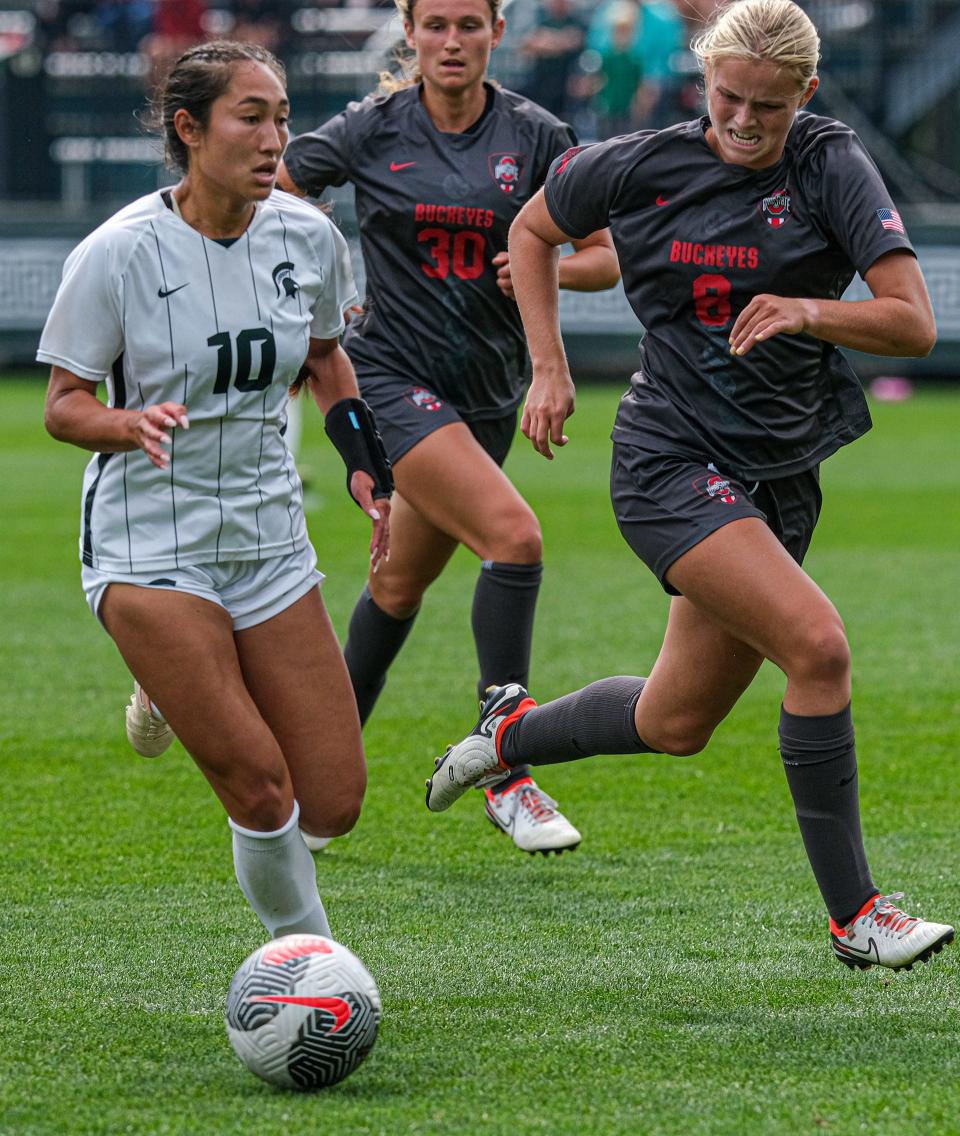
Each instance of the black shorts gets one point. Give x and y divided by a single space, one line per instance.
666 504
407 413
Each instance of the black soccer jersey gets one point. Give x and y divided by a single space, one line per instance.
434 209
697 239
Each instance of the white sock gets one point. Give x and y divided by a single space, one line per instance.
277 875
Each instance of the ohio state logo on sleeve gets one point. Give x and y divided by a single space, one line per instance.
505 169
568 155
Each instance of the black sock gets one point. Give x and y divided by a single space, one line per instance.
504 602
373 640
820 760
597 719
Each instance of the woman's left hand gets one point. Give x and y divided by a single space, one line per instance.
501 262
766 316
361 487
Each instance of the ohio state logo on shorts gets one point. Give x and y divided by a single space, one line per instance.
423 399
506 170
713 485
776 208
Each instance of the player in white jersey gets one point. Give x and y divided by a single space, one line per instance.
262 298
199 306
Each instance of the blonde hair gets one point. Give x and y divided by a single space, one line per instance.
408 73
777 31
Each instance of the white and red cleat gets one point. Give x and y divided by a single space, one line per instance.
530 818
476 760
883 935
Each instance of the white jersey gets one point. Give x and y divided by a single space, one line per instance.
163 314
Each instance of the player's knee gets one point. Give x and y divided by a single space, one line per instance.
397 594
518 539
333 817
685 744
822 653
678 737
261 802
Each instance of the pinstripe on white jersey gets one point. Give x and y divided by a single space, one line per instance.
162 313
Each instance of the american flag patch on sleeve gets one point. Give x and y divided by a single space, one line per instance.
890 219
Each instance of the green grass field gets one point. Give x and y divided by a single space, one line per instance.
671 976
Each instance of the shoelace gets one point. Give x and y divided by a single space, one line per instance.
888 917
538 804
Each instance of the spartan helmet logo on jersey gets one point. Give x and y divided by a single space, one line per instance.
506 170
283 279
776 208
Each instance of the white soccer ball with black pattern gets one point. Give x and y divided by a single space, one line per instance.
302 1012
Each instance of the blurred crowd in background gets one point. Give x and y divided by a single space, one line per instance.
608 67
617 66
890 69
161 29
139 25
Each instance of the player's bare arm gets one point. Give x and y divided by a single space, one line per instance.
591 267
898 321
329 373
330 379
73 413
534 241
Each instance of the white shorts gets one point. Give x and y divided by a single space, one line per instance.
250 591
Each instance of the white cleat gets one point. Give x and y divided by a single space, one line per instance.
476 760
149 733
531 818
315 843
883 935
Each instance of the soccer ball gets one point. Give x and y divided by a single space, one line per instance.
302 1012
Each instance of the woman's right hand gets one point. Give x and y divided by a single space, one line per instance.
550 402
149 429
73 413
378 510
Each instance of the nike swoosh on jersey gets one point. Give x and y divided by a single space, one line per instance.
164 292
661 200
394 166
